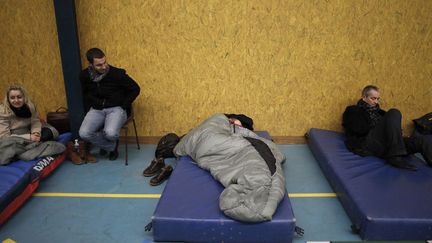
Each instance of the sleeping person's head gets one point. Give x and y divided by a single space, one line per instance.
241 120
235 121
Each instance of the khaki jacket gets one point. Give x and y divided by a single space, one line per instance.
11 125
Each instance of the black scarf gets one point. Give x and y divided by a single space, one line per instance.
373 111
95 76
23 111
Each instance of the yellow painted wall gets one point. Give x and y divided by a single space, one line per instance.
291 65
30 52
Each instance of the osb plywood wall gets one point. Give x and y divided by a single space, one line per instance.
30 53
291 65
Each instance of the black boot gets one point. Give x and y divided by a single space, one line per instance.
427 157
102 152
419 143
400 162
113 155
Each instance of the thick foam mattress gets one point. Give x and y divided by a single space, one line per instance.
383 202
19 179
188 210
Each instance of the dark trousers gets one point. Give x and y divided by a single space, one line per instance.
385 140
419 143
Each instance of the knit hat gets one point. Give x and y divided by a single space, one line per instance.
246 121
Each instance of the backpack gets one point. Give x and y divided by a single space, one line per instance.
166 146
424 124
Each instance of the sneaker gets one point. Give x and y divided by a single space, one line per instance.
155 167
162 176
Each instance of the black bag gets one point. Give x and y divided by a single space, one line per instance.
166 146
424 124
59 119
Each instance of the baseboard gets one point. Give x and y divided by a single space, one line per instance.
289 139
155 139
141 139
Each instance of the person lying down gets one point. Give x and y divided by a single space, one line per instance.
248 166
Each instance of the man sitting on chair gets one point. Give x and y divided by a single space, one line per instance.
108 94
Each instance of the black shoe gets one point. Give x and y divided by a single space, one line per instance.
103 152
155 167
162 176
113 155
428 158
401 163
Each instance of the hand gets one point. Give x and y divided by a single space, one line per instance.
35 137
42 120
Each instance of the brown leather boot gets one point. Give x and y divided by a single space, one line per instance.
155 167
72 155
162 176
90 158
84 152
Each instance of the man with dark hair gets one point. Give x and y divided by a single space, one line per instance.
108 94
94 53
372 131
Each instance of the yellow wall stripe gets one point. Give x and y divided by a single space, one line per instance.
107 195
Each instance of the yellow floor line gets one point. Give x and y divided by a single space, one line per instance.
107 195
103 195
312 194
8 241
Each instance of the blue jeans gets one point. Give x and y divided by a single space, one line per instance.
102 127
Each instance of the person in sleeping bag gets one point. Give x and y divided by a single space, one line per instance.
19 117
371 130
166 144
108 94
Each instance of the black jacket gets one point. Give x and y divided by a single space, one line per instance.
357 124
115 89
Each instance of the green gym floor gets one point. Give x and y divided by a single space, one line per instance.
110 202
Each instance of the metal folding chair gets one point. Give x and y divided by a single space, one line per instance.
126 129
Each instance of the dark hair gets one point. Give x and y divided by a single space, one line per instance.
246 121
94 53
367 89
